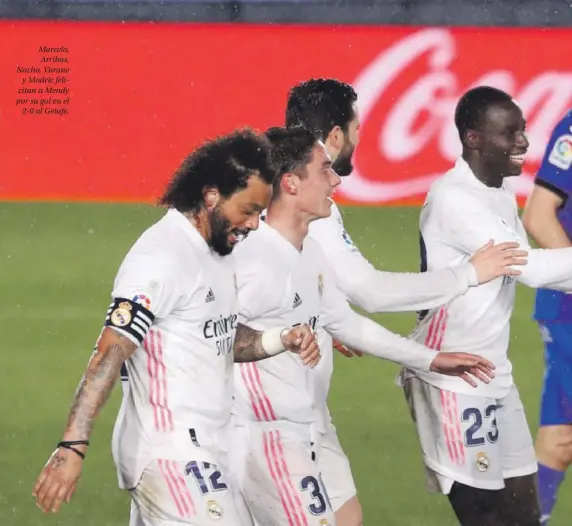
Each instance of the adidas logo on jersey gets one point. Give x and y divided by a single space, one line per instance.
297 301
210 296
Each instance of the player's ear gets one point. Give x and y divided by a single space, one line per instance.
472 139
211 197
335 139
289 183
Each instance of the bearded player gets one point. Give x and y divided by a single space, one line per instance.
173 322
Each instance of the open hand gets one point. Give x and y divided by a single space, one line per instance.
465 366
493 261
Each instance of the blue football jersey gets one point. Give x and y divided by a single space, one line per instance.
555 174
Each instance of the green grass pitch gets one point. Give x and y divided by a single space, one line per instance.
57 263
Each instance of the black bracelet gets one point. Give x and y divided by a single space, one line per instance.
70 443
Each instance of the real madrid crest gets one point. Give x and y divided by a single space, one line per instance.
214 510
482 462
320 284
121 316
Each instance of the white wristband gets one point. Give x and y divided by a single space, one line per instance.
272 341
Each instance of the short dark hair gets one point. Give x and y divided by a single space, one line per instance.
290 152
473 105
225 163
320 105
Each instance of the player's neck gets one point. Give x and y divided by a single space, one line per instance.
482 172
200 221
292 224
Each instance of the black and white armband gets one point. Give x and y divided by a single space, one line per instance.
130 319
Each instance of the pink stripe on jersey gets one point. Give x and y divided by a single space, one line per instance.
162 415
171 484
431 330
283 495
167 415
449 409
436 330
283 477
289 479
183 490
158 382
443 329
455 452
148 345
458 432
259 407
452 427
266 399
446 421
257 390
249 390
259 401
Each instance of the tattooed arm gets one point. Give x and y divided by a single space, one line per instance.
248 345
251 345
97 383
58 480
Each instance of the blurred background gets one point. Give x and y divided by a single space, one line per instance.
147 82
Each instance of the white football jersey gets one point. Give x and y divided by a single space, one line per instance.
375 290
281 286
277 286
176 299
459 216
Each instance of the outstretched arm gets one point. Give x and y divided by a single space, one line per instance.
369 337
473 225
399 291
379 291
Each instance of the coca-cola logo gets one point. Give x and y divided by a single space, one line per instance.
406 100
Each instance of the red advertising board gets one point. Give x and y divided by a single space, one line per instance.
142 96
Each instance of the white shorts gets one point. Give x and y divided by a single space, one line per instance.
473 440
334 466
273 466
173 493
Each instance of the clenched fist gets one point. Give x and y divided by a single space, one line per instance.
302 341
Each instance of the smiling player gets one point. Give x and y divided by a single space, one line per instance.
476 442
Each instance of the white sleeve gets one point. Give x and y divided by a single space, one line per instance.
145 289
363 334
378 291
473 225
